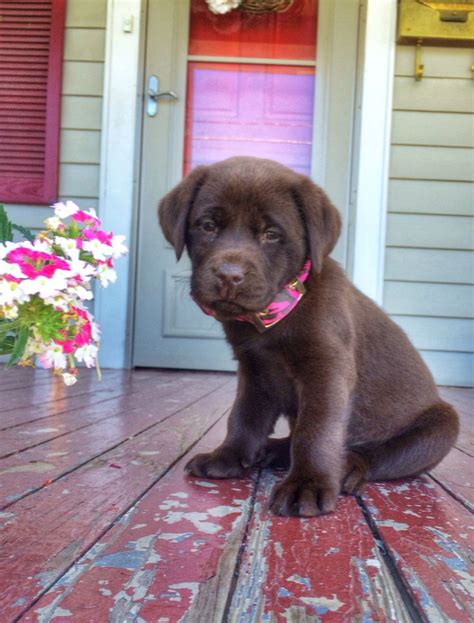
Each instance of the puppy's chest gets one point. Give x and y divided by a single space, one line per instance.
271 368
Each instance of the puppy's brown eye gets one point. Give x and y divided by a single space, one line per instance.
208 225
271 235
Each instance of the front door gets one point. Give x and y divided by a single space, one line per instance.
241 83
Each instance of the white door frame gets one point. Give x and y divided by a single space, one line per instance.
372 158
121 124
119 163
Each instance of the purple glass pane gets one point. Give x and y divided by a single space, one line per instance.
250 110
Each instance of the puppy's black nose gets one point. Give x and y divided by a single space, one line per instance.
230 274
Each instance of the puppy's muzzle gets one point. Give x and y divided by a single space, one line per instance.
229 276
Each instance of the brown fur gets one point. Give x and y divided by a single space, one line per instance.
361 403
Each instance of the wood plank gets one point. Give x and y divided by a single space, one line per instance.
87 396
450 368
433 94
439 62
324 569
80 146
461 398
431 197
192 528
32 434
428 299
27 404
427 533
81 78
433 129
24 473
81 113
86 13
430 231
455 474
463 401
79 179
89 500
451 334
84 44
443 266
432 163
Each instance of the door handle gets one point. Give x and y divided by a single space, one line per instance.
154 94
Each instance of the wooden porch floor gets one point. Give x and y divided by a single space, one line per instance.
99 522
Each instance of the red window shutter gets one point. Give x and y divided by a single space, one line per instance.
31 52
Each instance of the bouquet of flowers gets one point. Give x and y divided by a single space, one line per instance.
45 283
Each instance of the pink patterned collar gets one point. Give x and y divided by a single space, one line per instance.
284 303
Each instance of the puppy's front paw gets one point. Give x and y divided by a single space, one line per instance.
217 464
303 498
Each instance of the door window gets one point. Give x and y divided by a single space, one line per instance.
250 89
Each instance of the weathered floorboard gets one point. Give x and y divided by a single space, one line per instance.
456 474
462 400
175 551
113 530
37 407
30 434
429 535
319 569
48 531
40 466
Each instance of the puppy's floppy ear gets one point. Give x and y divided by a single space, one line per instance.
175 206
321 219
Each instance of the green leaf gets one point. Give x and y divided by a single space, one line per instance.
7 345
19 347
6 233
25 232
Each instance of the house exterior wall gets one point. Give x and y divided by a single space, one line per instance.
429 268
81 111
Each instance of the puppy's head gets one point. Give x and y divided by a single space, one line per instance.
248 225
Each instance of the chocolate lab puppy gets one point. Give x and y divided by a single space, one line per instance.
361 403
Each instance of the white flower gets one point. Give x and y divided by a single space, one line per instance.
106 275
219 7
10 312
98 250
118 247
68 246
34 346
58 302
87 354
81 293
69 379
46 287
52 223
10 269
12 292
81 269
53 357
63 210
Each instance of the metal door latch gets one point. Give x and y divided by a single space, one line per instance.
154 94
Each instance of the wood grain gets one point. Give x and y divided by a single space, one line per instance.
76 510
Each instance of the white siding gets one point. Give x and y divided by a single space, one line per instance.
81 110
429 263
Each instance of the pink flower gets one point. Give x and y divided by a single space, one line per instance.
85 217
81 329
98 234
36 263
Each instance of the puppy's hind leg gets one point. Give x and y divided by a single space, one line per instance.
417 450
